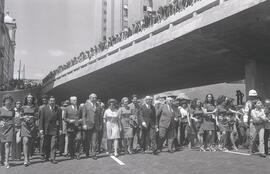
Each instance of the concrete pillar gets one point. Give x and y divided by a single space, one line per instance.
257 77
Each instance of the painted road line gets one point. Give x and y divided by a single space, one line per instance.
238 153
118 160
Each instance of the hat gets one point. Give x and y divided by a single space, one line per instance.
252 93
148 98
112 100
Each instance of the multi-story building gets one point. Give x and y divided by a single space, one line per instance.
7 45
100 20
113 16
136 10
117 16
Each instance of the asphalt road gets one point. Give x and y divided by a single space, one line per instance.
183 162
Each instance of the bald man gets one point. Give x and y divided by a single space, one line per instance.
92 124
168 115
267 125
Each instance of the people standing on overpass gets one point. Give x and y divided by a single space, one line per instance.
136 109
7 115
92 124
113 125
74 122
28 128
209 122
168 115
126 117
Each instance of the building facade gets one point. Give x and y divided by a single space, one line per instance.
7 45
117 15
114 16
100 20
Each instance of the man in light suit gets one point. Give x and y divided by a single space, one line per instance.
168 115
72 118
149 125
50 126
92 124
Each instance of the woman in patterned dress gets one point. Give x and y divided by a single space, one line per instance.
112 122
28 128
222 123
196 117
125 115
6 128
208 124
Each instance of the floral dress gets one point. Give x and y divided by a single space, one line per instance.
6 124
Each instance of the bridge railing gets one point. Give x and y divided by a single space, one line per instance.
189 12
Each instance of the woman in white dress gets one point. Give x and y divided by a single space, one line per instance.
112 122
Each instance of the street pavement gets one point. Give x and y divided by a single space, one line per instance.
182 162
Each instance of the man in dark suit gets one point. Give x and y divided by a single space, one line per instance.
40 138
72 118
149 125
168 115
49 126
92 124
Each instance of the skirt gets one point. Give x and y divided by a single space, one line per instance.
28 130
127 132
113 130
7 133
207 126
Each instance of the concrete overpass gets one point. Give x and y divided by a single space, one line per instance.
210 42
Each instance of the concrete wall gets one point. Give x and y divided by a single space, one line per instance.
210 47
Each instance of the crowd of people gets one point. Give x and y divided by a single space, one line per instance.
19 85
150 18
130 126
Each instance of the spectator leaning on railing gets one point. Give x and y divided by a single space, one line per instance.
150 18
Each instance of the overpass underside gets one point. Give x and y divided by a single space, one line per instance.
214 53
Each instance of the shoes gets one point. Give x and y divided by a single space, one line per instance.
53 161
26 164
1 163
70 157
116 155
155 152
95 157
7 165
202 149
129 151
78 157
262 155
170 151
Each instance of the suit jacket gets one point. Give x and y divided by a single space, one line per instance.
92 116
71 113
148 115
50 120
166 116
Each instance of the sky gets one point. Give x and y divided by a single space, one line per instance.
50 32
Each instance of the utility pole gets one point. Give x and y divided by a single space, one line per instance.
23 71
19 76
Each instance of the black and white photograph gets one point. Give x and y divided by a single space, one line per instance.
134 86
